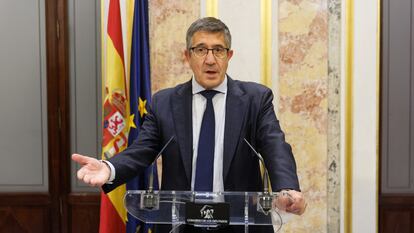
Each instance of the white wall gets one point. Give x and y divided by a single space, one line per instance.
365 115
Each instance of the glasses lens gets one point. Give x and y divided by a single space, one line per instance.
219 52
200 51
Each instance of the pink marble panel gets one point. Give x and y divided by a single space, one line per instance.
303 110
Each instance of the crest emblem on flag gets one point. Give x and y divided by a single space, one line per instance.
115 123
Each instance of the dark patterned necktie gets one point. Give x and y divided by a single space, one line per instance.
205 154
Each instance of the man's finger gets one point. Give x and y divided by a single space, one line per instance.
81 159
282 201
96 182
297 209
87 179
81 173
286 198
292 208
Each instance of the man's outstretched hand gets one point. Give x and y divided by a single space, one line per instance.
93 172
291 201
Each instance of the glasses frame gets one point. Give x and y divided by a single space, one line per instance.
212 51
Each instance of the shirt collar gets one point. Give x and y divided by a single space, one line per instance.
197 88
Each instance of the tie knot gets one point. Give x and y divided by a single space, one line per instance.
209 94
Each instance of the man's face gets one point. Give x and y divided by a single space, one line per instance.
209 70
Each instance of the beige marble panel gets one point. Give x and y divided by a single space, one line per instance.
303 110
168 25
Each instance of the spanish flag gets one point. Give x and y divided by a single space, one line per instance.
115 111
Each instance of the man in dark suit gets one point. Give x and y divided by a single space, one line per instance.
209 118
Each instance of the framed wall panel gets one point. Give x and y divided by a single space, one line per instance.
23 118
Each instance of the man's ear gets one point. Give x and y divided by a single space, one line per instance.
187 54
230 54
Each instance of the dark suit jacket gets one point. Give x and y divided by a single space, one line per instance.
249 114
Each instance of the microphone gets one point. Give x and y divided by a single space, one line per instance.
265 199
149 200
151 177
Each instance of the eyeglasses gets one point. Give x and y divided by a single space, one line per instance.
218 52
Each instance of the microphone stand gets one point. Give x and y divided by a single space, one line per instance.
150 200
265 199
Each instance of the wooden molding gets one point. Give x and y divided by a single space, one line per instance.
24 199
402 199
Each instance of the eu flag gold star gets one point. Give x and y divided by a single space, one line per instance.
131 121
141 107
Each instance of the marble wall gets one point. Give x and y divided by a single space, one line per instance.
303 105
309 74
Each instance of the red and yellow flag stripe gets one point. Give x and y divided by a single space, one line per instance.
116 112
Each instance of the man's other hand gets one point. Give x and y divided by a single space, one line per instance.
291 201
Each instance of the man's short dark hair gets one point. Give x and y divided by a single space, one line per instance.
208 24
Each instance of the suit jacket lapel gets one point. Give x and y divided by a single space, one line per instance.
183 121
236 105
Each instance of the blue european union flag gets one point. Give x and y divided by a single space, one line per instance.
140 96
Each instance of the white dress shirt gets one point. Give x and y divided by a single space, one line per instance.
199 106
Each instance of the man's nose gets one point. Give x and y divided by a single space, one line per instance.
210 59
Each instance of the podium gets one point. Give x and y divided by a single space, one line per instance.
204 209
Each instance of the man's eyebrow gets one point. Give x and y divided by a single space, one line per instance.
200 45
213 46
